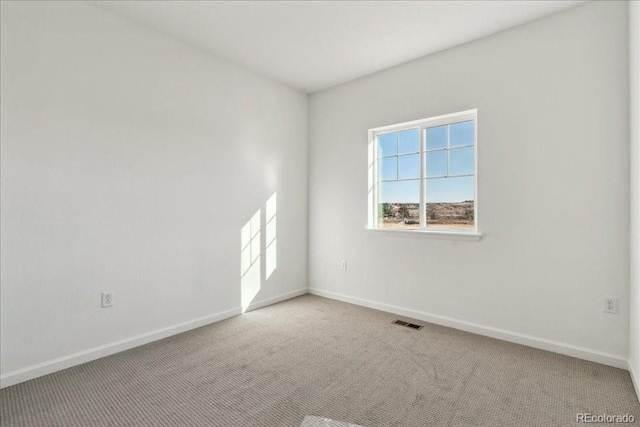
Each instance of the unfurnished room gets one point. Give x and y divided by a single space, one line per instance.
319 213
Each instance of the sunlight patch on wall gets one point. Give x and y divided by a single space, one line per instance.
250 260
271 236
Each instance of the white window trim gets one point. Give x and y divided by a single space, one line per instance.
471 234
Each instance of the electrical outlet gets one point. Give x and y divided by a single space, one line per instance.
610 305
107 299
343 264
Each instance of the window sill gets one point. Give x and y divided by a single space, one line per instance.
453 235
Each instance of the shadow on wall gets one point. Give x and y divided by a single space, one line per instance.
251 249
371 178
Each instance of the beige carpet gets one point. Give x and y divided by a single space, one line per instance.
315 421
314 356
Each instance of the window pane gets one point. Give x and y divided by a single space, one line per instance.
387 144
461 134
436 163
436 137
388 169
399 192
409 166
461 161
450 202
409 141
399 204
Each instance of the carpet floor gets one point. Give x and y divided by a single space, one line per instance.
315 356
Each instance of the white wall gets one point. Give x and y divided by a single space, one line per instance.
553 186
130 162
634 73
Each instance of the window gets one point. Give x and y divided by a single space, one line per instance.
422 175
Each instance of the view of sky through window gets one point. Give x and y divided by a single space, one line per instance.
449 154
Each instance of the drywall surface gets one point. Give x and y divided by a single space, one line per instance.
130 163
634 73
553 178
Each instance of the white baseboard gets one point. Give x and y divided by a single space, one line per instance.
535 342
35 371
51 366
635 378
278 298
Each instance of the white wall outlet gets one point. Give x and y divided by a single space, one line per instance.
107 299
343 264
610 305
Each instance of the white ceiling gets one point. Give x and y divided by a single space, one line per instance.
311 45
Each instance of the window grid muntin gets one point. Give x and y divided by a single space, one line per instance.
448 149
398 155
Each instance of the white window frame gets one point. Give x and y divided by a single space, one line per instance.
422 125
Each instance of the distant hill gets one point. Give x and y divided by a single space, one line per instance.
461 213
